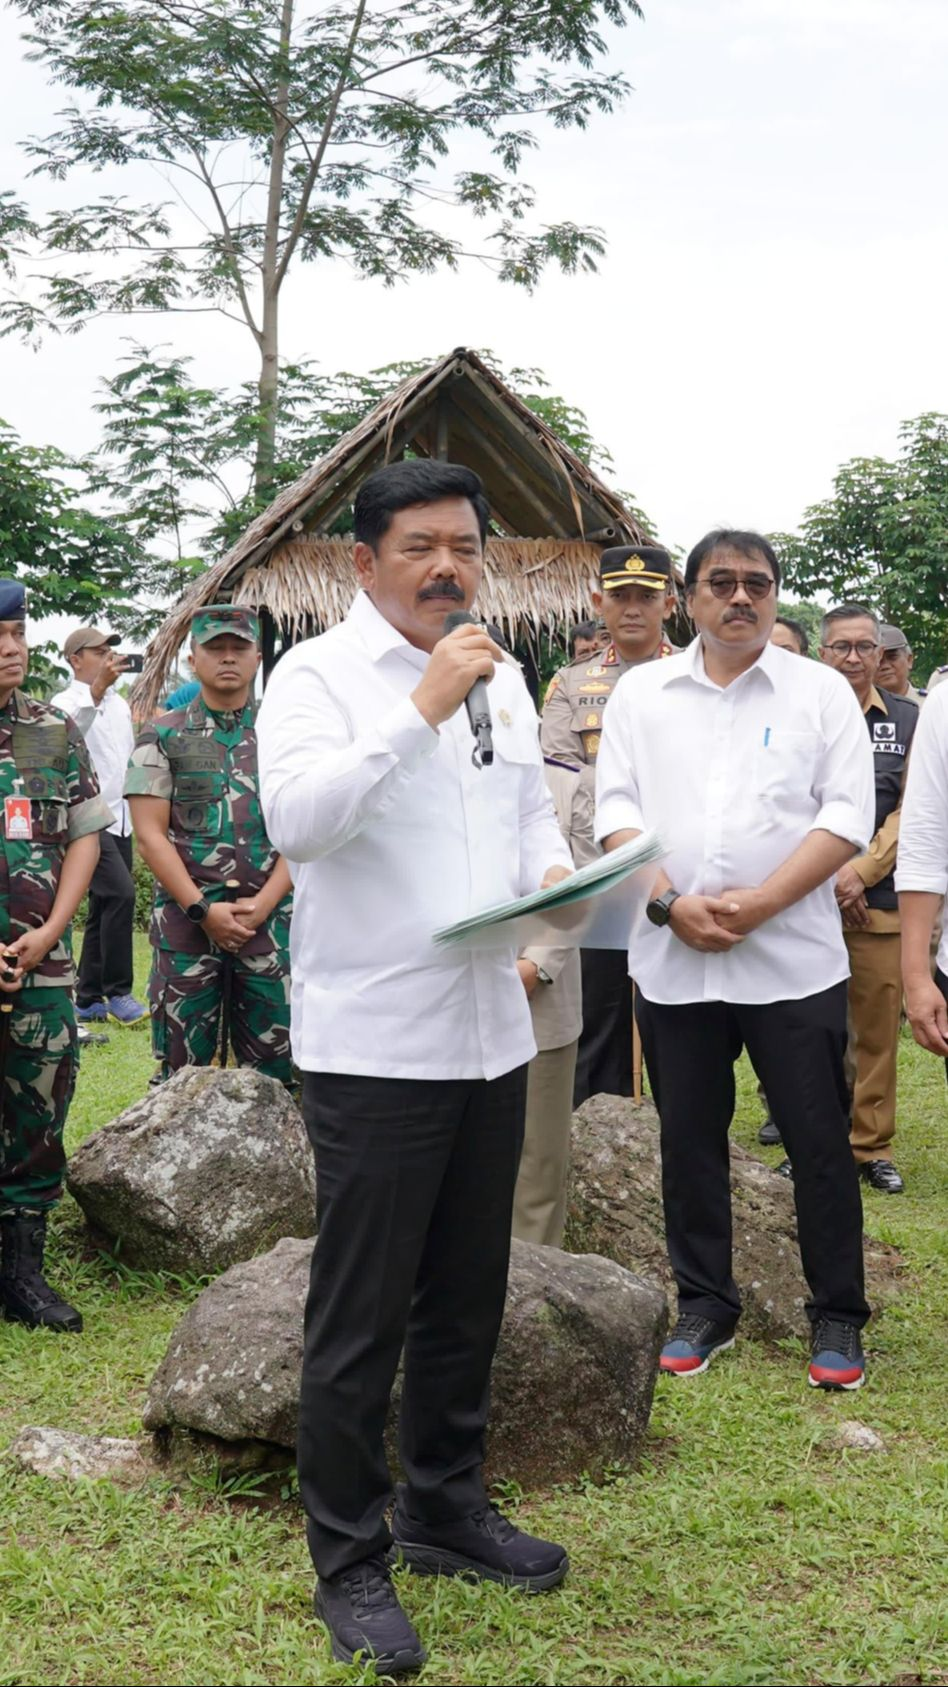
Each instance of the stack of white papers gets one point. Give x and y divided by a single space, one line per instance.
594 908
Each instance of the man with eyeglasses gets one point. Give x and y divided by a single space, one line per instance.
756 770
851 642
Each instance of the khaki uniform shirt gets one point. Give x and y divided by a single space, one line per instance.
557 1008
571 723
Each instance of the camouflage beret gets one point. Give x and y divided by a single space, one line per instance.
217 618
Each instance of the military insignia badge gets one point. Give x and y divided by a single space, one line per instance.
635 565
884 729
592 720
595 673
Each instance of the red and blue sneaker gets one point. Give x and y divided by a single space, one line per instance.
694 1342
838 1361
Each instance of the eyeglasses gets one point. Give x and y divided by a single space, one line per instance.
722 585
842 647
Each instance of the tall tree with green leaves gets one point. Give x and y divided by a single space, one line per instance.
883 537
292 132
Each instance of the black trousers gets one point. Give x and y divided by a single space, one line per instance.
604 1062
415 1183
797 1051
942 983
105 966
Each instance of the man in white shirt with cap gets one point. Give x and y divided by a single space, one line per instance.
104 984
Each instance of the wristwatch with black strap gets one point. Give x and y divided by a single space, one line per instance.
660 907
197 911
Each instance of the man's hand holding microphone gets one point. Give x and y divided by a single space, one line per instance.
458 660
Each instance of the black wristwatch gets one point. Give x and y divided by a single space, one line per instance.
660 907
197 911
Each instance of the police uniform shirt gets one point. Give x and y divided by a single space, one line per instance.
571 723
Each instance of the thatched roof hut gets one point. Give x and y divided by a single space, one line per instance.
552 514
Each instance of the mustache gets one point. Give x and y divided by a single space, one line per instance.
449 590
740 615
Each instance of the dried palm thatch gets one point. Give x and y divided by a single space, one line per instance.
456 410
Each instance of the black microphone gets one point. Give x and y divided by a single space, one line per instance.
476 704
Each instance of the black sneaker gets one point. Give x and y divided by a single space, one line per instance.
485 1546
785 1169
361 1611
768 1136
837 1359
882 1175
693 1343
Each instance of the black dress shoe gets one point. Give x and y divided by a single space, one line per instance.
768 1136
361 1611
485 1546
785 1169
882 1175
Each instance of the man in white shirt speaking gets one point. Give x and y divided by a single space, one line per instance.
104 983
413 1058
756 769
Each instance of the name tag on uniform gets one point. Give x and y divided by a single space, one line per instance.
17 818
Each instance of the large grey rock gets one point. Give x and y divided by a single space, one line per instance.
615 1209
208 1169
573 1377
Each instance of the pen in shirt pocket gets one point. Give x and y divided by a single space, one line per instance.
766 736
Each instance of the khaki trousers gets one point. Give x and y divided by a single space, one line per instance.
539 1212
875 1009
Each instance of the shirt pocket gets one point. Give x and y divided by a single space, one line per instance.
784 767
198 803
49 804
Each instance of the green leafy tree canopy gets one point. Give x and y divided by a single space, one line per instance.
292 133
883 538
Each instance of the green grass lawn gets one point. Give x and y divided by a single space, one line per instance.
746 1549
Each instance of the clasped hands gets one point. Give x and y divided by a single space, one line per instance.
714 924
230 925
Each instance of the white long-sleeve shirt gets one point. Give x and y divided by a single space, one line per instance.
391 832
922 862
108 731
734 779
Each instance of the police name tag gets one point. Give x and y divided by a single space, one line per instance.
17 818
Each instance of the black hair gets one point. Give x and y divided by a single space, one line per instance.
849 612
582 629
417 481
798 630
735 539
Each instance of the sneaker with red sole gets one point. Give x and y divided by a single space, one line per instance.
694 1342
838 1361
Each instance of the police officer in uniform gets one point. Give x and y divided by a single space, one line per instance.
636 597
193 790
52 814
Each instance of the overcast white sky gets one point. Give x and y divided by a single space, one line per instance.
773 300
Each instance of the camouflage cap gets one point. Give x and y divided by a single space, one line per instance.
217 618
636 565
12 600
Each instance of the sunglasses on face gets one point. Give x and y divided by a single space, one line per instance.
863 647
724 584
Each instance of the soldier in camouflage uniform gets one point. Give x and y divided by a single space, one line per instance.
52 813
193 791
637 596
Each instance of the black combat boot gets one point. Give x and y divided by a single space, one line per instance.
25 1295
